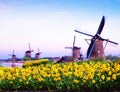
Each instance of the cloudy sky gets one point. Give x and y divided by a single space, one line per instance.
49 25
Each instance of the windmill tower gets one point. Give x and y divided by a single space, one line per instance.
75 51
95 49
13 56
37 55
28 52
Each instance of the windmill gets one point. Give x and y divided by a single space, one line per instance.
28 52
95 49
37 55
13 56
75 50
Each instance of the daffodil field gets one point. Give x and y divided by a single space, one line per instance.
45 76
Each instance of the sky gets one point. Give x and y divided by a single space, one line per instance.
49 25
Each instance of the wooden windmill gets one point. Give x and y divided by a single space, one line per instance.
28 52
37 55
13 56
75 51
96 49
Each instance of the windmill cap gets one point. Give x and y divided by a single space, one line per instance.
13 55
28 51
76 47
37 53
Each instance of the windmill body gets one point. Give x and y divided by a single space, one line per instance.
28 53
37 55
75 51
95 49
13 56
98 50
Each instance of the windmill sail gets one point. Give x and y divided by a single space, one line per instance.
74 41
90 49
101 26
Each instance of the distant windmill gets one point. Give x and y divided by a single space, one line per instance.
13 56
37 55
75 50
28 52
96 49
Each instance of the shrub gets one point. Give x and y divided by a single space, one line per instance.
35 62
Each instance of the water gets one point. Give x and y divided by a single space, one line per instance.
10 64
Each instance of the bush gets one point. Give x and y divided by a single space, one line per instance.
35 62
117 61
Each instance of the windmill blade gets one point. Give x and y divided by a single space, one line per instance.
29 46
68 47
87 41
90 49
9 54
105 45
39 51
13 52
109 41
101 26
74 41
84 33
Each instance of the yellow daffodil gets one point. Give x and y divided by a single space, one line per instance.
75 81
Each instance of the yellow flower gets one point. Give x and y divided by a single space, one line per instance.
58 78
100 80
102 77
114 76
23 77
118 74
108 78
99 74
34 76
55 79
113 70
75 81
48 75
1 79
86 77
84 81
57 74
20 80
26 82
91 76
66 74
40 79
93 81
109 73
11 82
